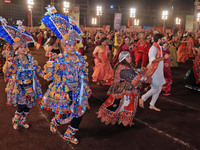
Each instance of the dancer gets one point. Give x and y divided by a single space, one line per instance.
125 46
23 88
167 71
103 72
193 76
142 49
67 96
53 47
190 45
155 70
121 104
173 54
118 42
182 53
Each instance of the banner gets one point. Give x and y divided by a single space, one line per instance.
135 28
117 21
123 28
189 22
148 27
159 29
74 13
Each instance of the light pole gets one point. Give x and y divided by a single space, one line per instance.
132 14
136 22
66 7
198 20
178 22
99 13
30 7
164 17
94 21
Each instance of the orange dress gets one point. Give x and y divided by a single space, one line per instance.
103 70
182 54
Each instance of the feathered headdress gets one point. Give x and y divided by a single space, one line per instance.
62 26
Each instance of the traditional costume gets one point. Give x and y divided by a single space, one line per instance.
142 50
173 56
155 70
193 76
67 95
23 88
190 45
103 71
123 47
182 53
118 42
167 72
121 105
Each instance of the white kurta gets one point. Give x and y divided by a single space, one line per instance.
158 76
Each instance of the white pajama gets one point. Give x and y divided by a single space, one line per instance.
157 78
154 92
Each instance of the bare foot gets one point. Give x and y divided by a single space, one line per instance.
154 108
141 103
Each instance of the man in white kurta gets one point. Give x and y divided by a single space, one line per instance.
158 79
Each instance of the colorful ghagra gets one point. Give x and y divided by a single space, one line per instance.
193 76
103 71
68 93
123 97
23 85
167 74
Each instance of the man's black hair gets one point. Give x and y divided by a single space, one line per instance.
157 37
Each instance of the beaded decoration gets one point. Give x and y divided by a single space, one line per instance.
61 25
10 32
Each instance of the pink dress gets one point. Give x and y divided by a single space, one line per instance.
103 70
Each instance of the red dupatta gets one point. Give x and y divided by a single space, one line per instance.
152 68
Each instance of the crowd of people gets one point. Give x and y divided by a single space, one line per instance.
125 61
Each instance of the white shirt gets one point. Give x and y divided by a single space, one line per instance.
158 76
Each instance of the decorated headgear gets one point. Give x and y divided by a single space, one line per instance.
18 43
123 55
62 26
14 35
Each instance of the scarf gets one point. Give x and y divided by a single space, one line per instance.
152 68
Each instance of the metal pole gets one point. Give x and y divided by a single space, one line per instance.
163 25
99 22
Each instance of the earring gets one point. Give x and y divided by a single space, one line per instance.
25 53
65 54
16 53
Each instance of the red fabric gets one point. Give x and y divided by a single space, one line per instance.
39 40
142 49
81 50
128 23
123 47
152 68
167 74
29 18
196 69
